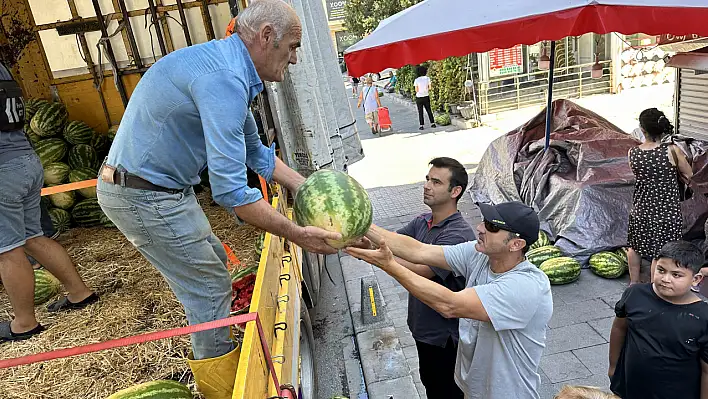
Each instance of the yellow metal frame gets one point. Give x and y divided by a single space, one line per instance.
276 298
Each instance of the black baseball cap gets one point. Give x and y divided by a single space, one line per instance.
515 217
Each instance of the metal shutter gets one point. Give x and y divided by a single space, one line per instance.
692 112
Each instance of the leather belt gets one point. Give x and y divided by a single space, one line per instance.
110 174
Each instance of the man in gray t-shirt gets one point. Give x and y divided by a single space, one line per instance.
505 309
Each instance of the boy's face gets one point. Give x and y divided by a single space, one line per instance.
672 280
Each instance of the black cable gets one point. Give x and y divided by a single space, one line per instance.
327 270
152 45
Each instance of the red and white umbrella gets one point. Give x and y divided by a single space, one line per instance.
437 29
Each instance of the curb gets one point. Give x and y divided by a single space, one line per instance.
384 365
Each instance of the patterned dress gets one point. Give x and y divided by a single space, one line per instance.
655 218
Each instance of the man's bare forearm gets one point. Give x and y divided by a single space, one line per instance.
286 176
431 293
618 334
402 246
262 215
421 270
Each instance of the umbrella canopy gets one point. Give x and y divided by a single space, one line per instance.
437 29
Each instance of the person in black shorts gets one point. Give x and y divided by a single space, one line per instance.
355 86
659 339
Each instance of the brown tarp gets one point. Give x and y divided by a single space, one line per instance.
582 186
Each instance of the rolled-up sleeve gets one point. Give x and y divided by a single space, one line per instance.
258 157
221 98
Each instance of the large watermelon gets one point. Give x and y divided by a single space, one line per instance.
55 173
160 389
541 254
561 270
334 201
63 200
61 219
45 286
607 265
77 132
82 174
32 105
542 241
51 150
88 213
49 120
83 156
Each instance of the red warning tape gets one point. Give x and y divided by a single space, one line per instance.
153 336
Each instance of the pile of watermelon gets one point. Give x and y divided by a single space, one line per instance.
549 258
70 151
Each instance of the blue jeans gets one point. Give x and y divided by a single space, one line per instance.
21 181
173 233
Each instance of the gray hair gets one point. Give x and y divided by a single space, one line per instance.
277 13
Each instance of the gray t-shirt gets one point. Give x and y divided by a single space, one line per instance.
499 359
14 143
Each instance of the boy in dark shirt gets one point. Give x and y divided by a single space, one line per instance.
659 339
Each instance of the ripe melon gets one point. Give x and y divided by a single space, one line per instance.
45 286
334 201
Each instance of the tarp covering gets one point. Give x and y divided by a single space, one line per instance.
582 186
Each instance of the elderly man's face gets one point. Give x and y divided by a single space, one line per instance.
281 53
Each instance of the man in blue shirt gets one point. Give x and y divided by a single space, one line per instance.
189 111
435 336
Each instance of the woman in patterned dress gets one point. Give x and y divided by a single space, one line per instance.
655 218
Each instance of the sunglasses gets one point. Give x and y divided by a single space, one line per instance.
491 227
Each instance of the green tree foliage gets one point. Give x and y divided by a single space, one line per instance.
363 16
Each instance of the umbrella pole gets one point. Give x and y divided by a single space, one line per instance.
549 104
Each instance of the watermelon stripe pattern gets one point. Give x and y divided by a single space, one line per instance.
51 150
542 241
88 213
541 254
76 132
63 200
334 201
45 286
56 173
61 219
83 156
82 174
32 105
49 120
160 389
607 265
561 270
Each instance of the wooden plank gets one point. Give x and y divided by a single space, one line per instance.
288 313
83 103
134 13
252 375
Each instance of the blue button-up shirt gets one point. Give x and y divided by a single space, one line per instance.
191 110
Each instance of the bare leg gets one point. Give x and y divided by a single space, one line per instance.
55 259
18 279
635 262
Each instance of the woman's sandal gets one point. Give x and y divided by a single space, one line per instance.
66 304
6 333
